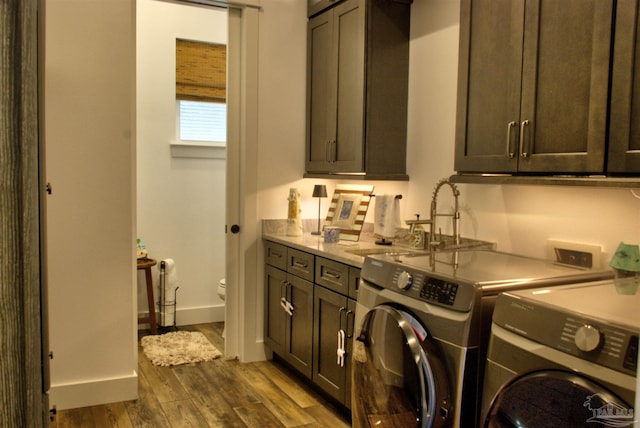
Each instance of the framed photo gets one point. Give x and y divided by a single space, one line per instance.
348 209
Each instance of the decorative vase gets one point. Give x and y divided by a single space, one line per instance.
294 223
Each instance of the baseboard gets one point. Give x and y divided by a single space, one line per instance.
191 316
91 393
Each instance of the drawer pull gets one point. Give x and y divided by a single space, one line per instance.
332 275
300 264
275 255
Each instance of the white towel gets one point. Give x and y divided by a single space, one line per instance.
387 216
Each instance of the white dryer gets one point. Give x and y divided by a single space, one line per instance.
563 357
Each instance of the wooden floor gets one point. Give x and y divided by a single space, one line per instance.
219 393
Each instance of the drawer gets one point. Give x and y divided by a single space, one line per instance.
275 255
300 264
333 275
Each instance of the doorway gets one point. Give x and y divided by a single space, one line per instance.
241 253
181 185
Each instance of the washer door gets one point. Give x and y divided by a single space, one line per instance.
398 378
554 398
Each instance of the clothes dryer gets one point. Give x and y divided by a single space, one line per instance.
563 357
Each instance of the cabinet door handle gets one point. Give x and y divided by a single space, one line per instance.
333 151
350 324
523 126
510 125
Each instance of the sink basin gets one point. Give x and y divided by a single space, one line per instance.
387 251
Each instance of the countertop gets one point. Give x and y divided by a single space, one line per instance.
315 244
340 251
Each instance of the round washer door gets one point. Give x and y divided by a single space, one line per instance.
398 377
553 398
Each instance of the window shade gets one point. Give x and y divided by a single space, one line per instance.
201 71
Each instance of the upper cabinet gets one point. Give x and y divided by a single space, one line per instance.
533 86
357 85
624 143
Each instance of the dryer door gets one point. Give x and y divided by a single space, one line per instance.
398 378
553 398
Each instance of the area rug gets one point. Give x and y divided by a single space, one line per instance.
178 347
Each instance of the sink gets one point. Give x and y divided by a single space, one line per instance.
446 245
364 252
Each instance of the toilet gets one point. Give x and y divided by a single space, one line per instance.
222 289
222 292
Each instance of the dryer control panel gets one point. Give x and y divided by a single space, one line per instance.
591 339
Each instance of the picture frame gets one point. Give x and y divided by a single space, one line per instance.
348 209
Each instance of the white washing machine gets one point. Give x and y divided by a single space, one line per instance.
422 327
563 357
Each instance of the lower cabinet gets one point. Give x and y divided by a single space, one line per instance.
289 318
333 317
310 324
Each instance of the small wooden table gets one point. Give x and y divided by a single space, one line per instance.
146 264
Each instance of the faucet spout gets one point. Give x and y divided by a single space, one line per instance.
434 212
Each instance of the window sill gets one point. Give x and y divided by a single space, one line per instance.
198 150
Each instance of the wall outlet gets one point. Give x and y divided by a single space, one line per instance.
586 256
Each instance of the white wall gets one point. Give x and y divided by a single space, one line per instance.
180 200
89 140
518 218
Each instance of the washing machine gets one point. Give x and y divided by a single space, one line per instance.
563 357
422 327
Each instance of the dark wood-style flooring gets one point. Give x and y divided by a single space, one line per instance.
218 393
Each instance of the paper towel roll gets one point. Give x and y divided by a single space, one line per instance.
170 278
386 216
170 285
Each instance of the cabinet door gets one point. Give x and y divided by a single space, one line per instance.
489 78
565 86
321 94
299 328
348 39
330 316
533 86
275 317
624 142
335 89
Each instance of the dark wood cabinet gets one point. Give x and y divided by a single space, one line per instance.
624 143
533 86
333 314
357 85
323 309
288 328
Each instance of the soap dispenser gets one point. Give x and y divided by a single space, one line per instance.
417 236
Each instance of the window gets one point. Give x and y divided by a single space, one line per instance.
201 91
202 121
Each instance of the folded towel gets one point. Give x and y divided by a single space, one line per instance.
387 216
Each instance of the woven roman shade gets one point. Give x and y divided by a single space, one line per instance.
201 71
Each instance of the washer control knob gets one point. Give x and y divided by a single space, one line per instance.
405 280
587 338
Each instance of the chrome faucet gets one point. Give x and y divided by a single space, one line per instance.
434 213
